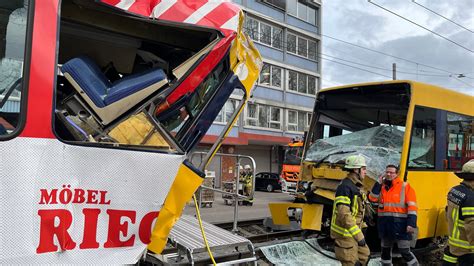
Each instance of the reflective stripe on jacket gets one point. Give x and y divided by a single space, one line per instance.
348 211
397 208
460 216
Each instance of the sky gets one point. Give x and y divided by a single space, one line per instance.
431 59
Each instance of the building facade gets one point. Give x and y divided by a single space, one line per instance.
287 34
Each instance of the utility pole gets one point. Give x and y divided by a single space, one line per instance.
394 71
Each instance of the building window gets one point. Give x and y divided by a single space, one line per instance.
302 83
292 120
264 33
227 111
298 121
308 117
275 118
268 116
311 85
291 43
292 80
252 115
271 76
14 18
301 46
302 10
312 50
280 4
461 140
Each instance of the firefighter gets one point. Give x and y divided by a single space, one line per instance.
348 213
396 201
248 185
242 174
460 215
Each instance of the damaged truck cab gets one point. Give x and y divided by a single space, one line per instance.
100 104
426 130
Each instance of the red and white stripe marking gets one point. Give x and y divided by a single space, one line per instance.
220 14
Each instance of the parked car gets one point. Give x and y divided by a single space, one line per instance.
267 181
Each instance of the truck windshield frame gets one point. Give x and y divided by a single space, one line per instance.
293 155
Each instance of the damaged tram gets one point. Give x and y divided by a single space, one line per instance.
427 130
100 103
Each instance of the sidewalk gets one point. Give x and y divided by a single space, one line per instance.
221 213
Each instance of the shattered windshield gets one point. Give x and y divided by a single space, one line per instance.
369 121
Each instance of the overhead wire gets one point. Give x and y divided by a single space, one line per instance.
398 67
386 54
284 45
423 27
356 67
385 69
438 14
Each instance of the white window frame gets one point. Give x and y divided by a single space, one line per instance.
298 37
223 112
274 6
307 12
298 74
272 29
309 115
270 85
270 121
269 118
288 124
247 117
296 125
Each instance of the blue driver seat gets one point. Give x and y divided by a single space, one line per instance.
110 100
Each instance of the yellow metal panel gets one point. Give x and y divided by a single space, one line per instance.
431 193
311 219
326 193
246 63
306 173
135 129
184 186
442 226
329 173
436 97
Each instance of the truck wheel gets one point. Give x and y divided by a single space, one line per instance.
269 188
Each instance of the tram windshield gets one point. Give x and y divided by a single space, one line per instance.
361 120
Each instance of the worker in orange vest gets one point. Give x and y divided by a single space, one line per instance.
396 210
348 215
460 215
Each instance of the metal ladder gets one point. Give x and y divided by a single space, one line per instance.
188 245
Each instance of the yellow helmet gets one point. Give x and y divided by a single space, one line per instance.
467 171
355 162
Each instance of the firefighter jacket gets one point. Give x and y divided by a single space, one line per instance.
460 215
348 210
248 179
396 209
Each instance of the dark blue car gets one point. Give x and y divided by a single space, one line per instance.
267 181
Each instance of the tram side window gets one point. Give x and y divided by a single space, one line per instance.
460 140
422 146
13 25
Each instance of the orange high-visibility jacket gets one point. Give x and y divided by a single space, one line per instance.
396 208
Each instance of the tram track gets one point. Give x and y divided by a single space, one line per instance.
255 231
